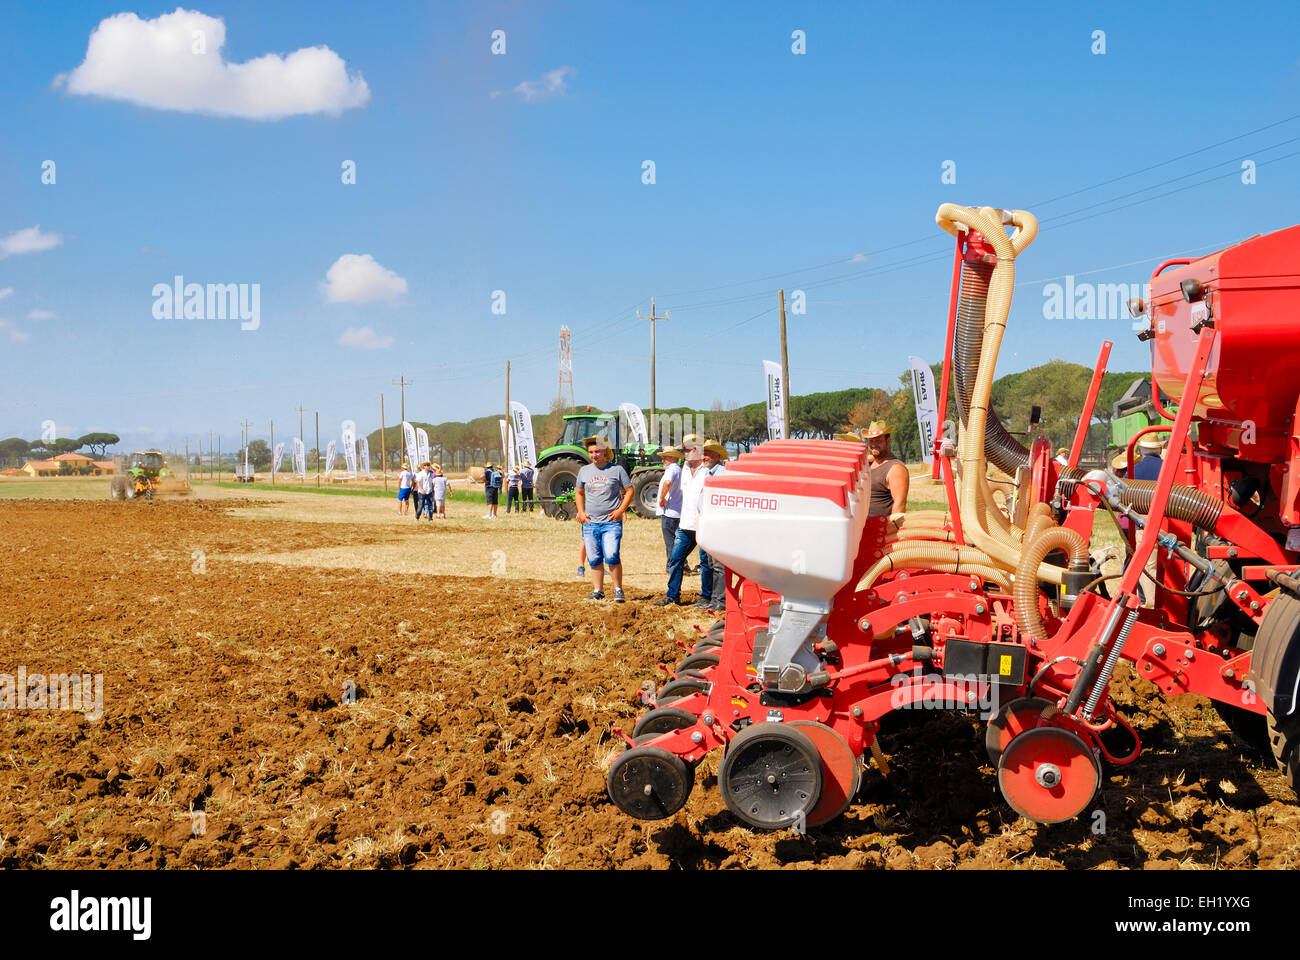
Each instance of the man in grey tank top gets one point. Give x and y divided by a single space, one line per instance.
889 477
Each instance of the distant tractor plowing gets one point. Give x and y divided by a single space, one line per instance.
558 466
147 476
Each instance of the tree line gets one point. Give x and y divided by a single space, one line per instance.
16 450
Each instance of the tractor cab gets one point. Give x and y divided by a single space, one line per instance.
147 462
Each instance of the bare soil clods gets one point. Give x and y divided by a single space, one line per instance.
257 714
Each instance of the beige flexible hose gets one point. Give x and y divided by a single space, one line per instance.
1026 588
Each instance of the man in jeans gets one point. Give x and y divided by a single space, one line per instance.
603 494
670 498
693 476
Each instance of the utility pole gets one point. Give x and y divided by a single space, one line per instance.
245 424
218 458
383 444
273 451
785 373
317 449
211 450
654 422
403 383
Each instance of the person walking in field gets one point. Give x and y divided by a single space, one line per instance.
603 494
439 493
669 503
404 490
491 490
512 490
424 481
526 477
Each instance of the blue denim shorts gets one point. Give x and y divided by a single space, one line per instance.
602 540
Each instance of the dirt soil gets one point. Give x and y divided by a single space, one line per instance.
479 735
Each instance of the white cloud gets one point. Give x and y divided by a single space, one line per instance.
39 314
6 292
28 240
857 258
9 328
175 62
546 87
363 338
357 278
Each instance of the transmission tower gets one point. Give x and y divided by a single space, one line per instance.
566 368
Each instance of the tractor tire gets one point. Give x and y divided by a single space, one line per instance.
645 492
556 477
117 488
1284 739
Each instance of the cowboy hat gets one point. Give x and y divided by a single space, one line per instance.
690 440
1120 460
715 448
849 437
1150 442
670 451
598 440
878 428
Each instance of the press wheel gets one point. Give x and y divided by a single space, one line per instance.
1013 719
841 771
649 783
1048 774
682 687
771 776
663 720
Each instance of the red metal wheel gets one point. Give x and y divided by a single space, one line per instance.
1015 718
841 771
1048 774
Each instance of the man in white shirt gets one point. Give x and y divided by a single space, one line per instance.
439 492
692 481
424 487
669 504
404 490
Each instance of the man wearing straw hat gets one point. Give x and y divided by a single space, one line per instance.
1150 449
889 477
693 476
715 458
670 498
603 493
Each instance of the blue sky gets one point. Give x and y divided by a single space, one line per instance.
766 163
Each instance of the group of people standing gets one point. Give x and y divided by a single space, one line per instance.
681 494
427 486
518 484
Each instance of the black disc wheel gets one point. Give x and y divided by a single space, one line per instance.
1284 737
681 687
771 776
707 646
663 720
649 783
698 662
716 630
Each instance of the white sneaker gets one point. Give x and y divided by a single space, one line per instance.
487 516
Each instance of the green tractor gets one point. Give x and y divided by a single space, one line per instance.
146 475
558 466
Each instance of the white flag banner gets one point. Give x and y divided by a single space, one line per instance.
275 460
364 444
300 457
635 420
350 453
775 397
421 446
409 441
507 444
927 406
329 457
523 424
